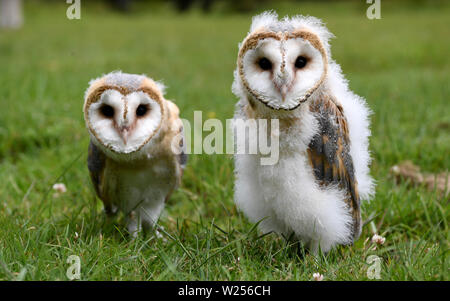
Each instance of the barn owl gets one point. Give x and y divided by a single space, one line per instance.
133 161
313 192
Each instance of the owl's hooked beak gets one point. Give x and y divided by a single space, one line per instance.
282 83
124 133
283 91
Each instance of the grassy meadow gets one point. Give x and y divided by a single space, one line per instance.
400 64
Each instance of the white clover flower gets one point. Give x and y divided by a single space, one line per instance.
317 277
378 239
59 187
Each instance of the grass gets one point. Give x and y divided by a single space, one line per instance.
399 63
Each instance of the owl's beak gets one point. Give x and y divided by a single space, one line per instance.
282 84
124 133
283 89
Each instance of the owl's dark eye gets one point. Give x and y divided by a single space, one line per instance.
107 111
265 64
300 62
141 110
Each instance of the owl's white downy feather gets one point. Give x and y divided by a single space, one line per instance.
286 197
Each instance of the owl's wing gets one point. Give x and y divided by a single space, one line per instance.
177 130
96 164
183 156
329 154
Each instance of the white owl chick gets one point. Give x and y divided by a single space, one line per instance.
285 72
133 162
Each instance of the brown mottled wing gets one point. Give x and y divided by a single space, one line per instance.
177 130
96 164
181 161
329 154
176 134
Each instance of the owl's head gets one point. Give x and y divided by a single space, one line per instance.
282 62
123 112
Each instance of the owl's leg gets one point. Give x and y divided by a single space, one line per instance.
313 247
301 250
149 213
133 222
110 210
249 196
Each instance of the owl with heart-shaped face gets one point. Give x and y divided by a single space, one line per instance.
133 161
313 193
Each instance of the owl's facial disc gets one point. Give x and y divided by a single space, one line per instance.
124 123
282 72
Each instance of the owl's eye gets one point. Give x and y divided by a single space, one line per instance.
107 111
300 62
265 64
141 110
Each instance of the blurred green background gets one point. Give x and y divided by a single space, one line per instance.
399 63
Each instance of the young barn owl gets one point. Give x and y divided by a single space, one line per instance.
131 160
285 72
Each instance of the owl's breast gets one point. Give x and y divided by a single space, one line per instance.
128 185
